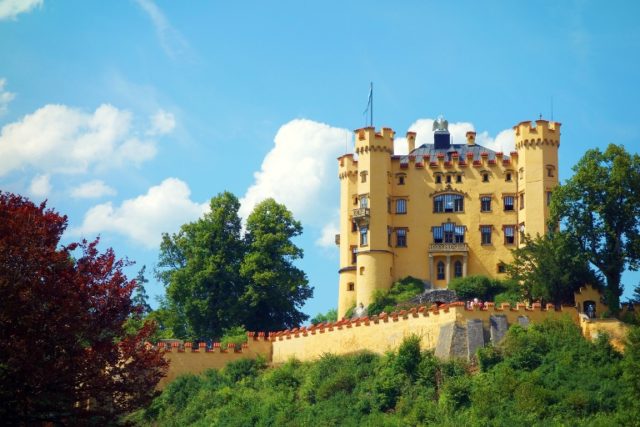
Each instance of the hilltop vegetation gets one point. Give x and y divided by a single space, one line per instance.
547 374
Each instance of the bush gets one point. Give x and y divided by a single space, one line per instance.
486 289
329 316
235 335
401 291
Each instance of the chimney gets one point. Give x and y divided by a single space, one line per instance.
411 141
471 138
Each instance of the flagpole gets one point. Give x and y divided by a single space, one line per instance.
371 112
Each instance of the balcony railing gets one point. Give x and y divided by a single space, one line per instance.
361 216
448 247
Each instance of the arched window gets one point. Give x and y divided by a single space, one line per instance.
457 266
448 203
440 270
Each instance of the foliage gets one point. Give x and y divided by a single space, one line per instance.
235 335
216 278
329 316
62 316
600 209
200 267
547 374
401 291
275 289
551 268
140 298
484 288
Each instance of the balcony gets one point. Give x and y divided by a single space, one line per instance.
448 247
361 216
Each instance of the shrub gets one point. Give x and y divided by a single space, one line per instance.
401 291
485 289
235 335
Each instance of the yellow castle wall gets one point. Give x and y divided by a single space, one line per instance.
190 362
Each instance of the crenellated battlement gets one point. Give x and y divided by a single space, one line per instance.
347 166
543 133
368 140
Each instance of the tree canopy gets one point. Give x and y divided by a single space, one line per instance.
600 208
551 268
216 278
66 357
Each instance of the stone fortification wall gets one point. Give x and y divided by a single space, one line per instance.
451 330
194 358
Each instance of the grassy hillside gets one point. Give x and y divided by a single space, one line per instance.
547 374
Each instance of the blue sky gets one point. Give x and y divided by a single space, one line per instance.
128 116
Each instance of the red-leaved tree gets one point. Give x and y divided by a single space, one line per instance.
64 354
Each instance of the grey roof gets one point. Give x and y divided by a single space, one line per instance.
461 149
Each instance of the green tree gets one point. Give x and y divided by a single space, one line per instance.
550 268
329 316
199 267
140 298
600 208
275 288
482 287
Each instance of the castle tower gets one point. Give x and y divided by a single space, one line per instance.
537 174
365 229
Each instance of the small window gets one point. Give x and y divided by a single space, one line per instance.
521 229
364 202
508 203
401 206
363 176
448 179
485 204
501 268
457 269
485 233
458 179
354 254
361 271
389 233
400 179
508 177
351 286
364 241
549 195
354 226
509 235
401 238
440 270
521 201
521 174
388 205
438 179
485 177
355 200
551 171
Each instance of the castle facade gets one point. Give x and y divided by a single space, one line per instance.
444 210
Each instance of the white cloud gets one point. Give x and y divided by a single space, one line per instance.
40 186
5 97
60 139
172 41
328 235
10 9
162 123
164 208
92 190
300 171
504 141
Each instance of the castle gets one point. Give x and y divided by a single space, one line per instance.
444 210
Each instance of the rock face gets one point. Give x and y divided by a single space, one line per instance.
462 340
434 296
